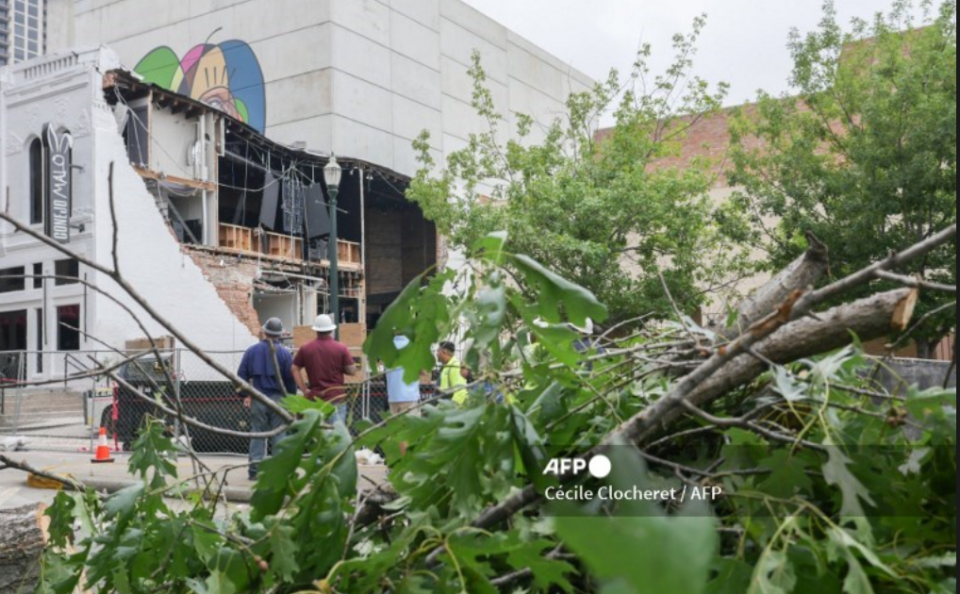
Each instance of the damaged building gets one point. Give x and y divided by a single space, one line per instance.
218 122
218 227
231 195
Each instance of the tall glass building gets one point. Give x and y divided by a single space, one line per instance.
23 32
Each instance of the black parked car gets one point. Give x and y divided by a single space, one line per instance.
214 403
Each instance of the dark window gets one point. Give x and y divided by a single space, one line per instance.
39 335
68 328
36 182
38 276
137 136
11 279
67 268
13 331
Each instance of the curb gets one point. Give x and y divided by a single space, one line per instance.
110 486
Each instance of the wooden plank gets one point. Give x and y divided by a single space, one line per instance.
302 335
236 238
143 344
353 335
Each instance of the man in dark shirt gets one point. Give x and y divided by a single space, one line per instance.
327 363
259 369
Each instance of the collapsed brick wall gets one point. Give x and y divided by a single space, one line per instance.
234 284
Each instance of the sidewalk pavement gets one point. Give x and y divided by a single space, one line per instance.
15 492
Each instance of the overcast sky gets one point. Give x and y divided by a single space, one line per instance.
745 43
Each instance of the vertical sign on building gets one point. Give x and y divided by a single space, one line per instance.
59 184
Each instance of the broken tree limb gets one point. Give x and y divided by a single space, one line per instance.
869 318
873 272
23 535
796 307
806 271
69 483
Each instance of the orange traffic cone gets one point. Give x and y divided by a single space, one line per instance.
103 449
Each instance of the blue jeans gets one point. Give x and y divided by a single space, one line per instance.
263 420
341 415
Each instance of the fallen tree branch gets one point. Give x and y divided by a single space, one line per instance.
865 276
68 483
869 319
893 348
25 534
806 271
748 425
916 283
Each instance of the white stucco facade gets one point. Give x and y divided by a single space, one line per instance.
356 77
66 91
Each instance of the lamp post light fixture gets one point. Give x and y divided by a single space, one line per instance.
332 174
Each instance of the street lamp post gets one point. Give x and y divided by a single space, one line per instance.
332 174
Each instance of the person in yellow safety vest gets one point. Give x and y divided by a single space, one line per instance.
451 376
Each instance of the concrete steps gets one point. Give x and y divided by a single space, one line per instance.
47 407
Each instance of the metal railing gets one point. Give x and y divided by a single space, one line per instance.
12 375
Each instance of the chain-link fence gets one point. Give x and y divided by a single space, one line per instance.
71 403
184 381
53 399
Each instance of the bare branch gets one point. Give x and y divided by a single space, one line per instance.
909 333
113 219
68 483
191 421
748 425
916 283
866 275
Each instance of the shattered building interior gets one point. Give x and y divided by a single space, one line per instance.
254 214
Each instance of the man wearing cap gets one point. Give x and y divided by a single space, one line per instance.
259 369
327 363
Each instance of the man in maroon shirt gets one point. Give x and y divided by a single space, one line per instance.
326 362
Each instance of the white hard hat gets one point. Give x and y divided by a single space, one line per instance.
324 325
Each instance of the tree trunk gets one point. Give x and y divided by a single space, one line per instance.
23 535
806 271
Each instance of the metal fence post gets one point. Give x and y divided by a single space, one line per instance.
18 391
178 372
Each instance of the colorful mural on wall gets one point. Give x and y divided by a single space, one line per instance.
226 76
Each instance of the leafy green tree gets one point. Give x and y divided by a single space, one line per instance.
594 209
865 157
